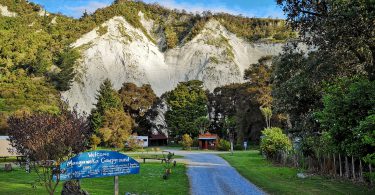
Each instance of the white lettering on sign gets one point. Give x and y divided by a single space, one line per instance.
96 154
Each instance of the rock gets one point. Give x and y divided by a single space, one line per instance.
302 175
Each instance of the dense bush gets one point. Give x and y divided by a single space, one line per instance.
186 142
223 145
238 147
274 143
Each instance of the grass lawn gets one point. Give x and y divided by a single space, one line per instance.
149 181
151 155
284 180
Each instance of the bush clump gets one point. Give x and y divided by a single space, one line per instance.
223 145
186 142
274 143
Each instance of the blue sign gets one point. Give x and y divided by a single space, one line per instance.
97 164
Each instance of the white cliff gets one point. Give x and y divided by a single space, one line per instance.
125 54
5 12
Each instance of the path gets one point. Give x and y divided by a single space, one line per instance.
210 174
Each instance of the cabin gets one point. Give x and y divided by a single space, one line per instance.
208 141
158 140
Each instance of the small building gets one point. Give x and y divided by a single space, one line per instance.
208 141
5 147
158 140
142 141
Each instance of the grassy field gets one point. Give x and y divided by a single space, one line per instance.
284 180
149 181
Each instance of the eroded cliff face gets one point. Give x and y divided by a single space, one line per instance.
5 12
122 53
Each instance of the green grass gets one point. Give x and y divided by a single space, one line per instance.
151 155
283 180
149 181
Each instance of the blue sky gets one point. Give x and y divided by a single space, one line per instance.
250 8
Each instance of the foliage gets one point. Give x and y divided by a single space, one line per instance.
255 29
202 124
116 128
259 75
186 142
43 137
366 128
102 30
223 145
347 102
94 141
171 37
133 143
274 142
21 93
186 103
66 63
296 88
138 102
342 30
267 113
107 98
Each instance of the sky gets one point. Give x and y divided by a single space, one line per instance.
249 8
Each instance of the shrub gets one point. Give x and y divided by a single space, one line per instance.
94 141
238 147
274 143
223 145
186 142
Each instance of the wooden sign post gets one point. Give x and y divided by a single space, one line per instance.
116 185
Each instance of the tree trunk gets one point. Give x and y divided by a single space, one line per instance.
346 167
370 169
340 165
334 165
231 147
353 168
360 170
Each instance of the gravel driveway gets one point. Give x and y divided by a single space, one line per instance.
210 174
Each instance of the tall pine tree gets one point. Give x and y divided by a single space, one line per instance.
107 98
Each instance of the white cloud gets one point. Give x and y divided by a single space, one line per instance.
90 7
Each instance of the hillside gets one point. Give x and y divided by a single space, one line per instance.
127 41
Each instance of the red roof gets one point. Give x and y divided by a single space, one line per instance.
158 137
208 136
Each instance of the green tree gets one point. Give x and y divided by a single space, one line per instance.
343 31
296 88
138 101
107 98
367 131
259 76
346 103
186 103
116 128
202 124
66 62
